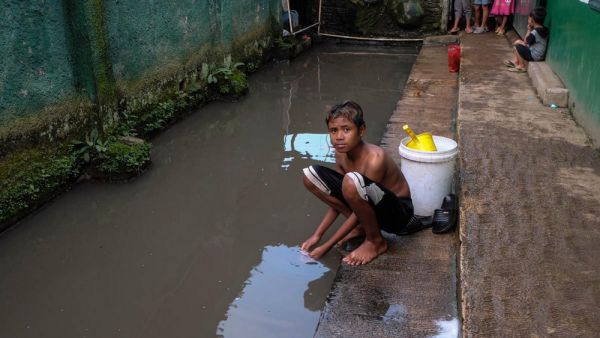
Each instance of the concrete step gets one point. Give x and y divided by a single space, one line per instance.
549 87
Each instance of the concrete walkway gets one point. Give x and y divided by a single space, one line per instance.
530 206
411 290
529 193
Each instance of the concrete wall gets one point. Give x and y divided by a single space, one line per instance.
36 59
167 32
573 53
90 52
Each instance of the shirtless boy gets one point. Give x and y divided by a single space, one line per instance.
366 187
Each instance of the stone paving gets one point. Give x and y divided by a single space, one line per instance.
530 206
529 194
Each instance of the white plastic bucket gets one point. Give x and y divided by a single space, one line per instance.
429 173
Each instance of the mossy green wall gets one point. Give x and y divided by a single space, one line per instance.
60 53
37 66
146 34
573 53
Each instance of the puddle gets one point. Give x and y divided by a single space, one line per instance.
315 147
188 248
283 293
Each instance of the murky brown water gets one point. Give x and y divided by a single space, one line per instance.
205 243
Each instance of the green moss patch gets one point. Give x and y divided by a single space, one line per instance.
31 177
122 160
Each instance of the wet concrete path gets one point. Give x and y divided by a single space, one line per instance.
204 243
410 291
530 204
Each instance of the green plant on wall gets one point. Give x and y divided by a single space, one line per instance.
91 147
227 78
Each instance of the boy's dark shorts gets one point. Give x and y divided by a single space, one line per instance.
393 212
524 52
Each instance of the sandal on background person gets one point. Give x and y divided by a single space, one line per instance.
509 63
517 70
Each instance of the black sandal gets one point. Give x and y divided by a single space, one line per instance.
444 219
415 224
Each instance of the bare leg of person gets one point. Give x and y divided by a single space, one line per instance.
455 27
486 11
521 63
336 208
468 29
374 244
502 27
356 232
477 15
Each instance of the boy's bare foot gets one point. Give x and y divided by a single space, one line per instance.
356 232
366 252
309 243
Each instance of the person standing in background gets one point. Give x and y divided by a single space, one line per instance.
483 5
462 7
502 9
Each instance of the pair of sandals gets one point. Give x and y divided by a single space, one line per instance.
500 31
513 68
455 31
442 221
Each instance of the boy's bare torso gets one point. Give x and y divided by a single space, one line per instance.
372 161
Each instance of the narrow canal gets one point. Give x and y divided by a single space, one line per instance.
205 243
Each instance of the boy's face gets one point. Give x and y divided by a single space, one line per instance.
344 134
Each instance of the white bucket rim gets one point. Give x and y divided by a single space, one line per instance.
447 151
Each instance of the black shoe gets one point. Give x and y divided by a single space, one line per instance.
415 224
444 219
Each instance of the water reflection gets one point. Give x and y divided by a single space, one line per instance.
315 147
281 295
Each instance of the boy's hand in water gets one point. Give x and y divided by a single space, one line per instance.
310 242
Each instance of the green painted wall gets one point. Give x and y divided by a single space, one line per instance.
36 58
68 63
148 34
573 53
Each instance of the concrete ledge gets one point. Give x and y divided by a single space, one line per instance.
549 87
440 40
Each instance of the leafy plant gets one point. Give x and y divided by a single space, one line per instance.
228 77
123 158
208 73
284 43
32 176
91 147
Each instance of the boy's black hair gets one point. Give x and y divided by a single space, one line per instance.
538 15
348 109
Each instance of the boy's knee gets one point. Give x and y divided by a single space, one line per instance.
351 187
313 183
309 185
